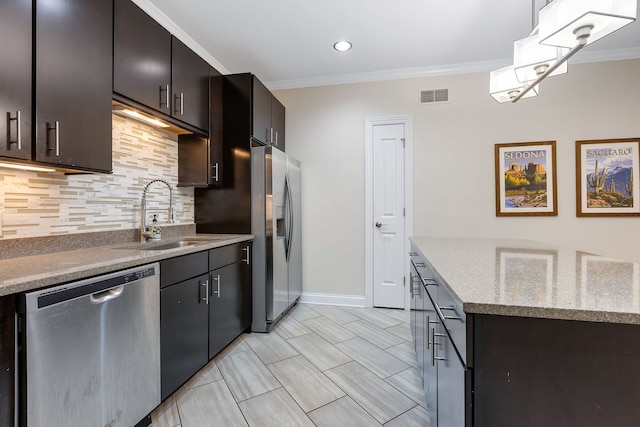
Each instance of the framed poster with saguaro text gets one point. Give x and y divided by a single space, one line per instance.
607 177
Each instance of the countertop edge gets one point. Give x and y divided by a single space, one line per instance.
518 310
117 259
552 313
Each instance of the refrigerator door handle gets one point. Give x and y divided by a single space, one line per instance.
291 219
287 213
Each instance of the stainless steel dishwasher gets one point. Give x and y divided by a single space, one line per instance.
89 351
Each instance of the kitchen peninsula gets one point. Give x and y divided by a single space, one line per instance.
514 332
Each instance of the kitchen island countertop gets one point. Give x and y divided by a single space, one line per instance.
32 272
531 279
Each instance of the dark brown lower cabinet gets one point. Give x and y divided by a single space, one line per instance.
184 330
543 372
224 305
205 304
230 295
7 360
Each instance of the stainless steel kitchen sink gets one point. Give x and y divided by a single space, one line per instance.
161 246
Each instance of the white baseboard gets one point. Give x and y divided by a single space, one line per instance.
333 299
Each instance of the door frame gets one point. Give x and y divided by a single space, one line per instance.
369 124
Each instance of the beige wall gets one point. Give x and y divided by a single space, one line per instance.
453 161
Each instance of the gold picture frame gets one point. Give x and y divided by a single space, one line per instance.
525 174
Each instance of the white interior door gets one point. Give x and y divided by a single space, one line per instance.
388 215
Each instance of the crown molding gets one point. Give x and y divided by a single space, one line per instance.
402 73
445 70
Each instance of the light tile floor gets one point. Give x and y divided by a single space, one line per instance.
320 366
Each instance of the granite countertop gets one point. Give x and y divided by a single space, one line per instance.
32 272
530 279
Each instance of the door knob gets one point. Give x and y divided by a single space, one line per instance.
378 225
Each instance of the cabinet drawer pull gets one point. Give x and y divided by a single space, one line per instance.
56 127
217 290
247 260
18 129
429 281
439 310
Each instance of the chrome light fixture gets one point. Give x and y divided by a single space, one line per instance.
531 59
504 85
565 27
560 20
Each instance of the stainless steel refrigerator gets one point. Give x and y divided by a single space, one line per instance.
277 247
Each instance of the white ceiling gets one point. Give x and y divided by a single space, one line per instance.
288 43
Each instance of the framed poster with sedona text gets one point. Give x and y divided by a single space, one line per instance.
607 177
526 179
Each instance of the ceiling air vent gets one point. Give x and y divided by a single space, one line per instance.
434 96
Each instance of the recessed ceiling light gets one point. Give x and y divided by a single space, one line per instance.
342 46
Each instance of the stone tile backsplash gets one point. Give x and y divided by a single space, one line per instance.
46 204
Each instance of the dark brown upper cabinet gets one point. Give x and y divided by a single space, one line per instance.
277 123
251 112
73 83
15 79
156 72
201 159
141 57
267 125
190 85
261 129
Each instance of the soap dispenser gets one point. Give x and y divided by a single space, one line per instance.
156 232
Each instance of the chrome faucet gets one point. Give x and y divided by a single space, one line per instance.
144 233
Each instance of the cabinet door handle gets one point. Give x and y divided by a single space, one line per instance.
247 260
215 176
166 97
56 127
180 104
216 291
433 346
271 136
276 138
204 298
18 129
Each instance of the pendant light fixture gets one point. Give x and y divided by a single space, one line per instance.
531 59
560 20
565 27
504 85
